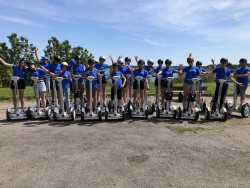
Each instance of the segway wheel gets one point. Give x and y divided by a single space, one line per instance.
211 103
207 114
8 116
204 106
106 115
54 116
245 110
146 113
180 96
123 116
196 116
82 116
225 116
158 112
179 113
152 111
129 111
47 103
174 114
227 106
48 113
100 115
73 115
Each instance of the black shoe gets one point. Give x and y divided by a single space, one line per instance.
104 105
141 109
184 110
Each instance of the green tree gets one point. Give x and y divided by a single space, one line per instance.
65 50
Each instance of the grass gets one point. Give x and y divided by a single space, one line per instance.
6 95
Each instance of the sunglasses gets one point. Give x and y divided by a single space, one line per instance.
223 63
190 62
168 63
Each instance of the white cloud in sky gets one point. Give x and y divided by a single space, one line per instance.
155 43
20 21
215 20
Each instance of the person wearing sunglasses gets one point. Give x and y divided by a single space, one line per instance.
156 71
222 72
242 75
18 70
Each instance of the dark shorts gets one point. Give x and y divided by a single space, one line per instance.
156 82
51 85
20 84
103 80
164 85
119 93
71 86
141 85
241 91
126 83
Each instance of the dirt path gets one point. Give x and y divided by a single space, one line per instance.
134 153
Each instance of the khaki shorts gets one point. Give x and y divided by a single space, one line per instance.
94 93
80 87
187 86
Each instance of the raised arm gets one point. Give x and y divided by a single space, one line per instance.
37 57
5 64
212 60
136 59
111 58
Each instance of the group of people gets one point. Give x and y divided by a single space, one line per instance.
78 72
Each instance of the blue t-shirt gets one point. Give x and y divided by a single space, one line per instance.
129 72
119 82
45 65
123 69
141 72
157 70
202 70
167 72
72 62
78 70
222 74
54 68
19 72
149 69
37 73
241 71
191 72
65 82
92 73
100 66
231 71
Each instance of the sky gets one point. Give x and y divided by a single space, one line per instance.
150 29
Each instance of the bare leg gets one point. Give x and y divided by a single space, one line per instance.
104 92
42 95
21 96
184 100
163 91
14 98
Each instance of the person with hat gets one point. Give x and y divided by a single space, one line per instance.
155 72
19 70
77 71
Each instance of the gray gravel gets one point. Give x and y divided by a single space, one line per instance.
134 153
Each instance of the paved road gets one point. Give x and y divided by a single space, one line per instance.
134 153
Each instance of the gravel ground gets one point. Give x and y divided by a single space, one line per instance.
134 153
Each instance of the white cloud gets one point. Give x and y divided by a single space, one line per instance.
153 42
20 21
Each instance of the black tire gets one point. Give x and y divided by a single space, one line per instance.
158 112
179 113
100 115
180 96
54 116
174 114
130 111
204 106
228 109
146 113
211 104
47 103
8 116
106 115
82 116
73 115
225 116
48 114
123 116
245 110
196 117
152 111
207 114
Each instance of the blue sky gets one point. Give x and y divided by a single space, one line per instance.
150 29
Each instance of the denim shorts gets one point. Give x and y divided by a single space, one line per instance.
41 87
241 90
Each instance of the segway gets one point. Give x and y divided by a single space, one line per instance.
115 114
16 113
48 98
34 112
128 102
192 112
220 114
77 95
91 114
59 113
101 93
231 105
202 104
136 112
167 112
55 104
150 101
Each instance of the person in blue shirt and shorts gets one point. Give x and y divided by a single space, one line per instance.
202 70
242 76
156 71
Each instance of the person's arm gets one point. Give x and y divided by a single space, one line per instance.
242 75
37 57
5 64
124 81
158 73
232 79
69 77
46 70
146 80
212 60
109 83
111 58
119 57
56 75
136 59
71 71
